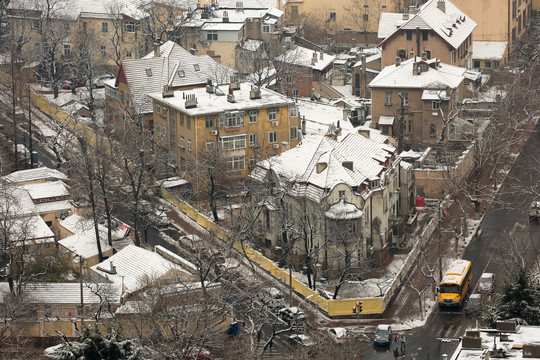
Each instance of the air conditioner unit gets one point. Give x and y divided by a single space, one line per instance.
275 146
275 123
213 132
205 43
249 19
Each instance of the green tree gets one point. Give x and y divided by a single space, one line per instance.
521 299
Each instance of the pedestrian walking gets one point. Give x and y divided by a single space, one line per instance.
396 353
402 342
396 338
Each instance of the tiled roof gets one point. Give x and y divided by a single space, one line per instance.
134 265
66 293
299 165
452 24
401 76
175 68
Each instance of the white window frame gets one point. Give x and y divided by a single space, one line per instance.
182 142
236 163
272 137
294 111
253 139
435 105
253 116
104 27
189 144
233 142
272 114
231 119
388 98
294 133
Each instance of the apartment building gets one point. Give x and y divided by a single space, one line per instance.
417 100
245 122
169 67
437 29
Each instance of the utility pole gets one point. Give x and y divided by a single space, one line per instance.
82 294
30 144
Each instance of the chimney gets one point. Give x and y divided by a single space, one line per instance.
364 132
411 54
322 55
441 5
424 55
405 16
398 60
157 49
191 101
304 125
320 167
230 95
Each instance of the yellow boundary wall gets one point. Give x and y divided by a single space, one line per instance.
333 308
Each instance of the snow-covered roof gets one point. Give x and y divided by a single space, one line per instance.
251 45
321 162
172 182
23 205
389 23
31 228
66 293
91 8
212 103
135 265
217 16
343 210
524 335
302 56
319 116
175 67
247 4
386 120
450 23
401 76
33 175
83 241
488 50
46 190
222 26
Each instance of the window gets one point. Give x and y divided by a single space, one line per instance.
231 119
477 64
402 54
212 35
352 227
487 64
428 54
365 17
295 93
233 142
148 72
288 79
188 122
333 16
294 111
182 142
374 183
409 127
36 24
272 114
181 73
236 163
266 28
210 145
405 97
253 114
425 35
432 130
272 137
84 26
253 140
128 53
435 105
164 110
341 194
104 27
129 26
67 49
209 122
196 67
164 131
294 10
189 144
294 133
388 98
409 34
181 119
103 51
158 108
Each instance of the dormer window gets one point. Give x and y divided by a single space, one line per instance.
341 194
181 73
148 72
196 67
374 183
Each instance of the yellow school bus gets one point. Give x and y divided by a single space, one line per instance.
455 284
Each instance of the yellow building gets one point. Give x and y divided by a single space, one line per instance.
246 123
498 20
341 15
489 54
438 29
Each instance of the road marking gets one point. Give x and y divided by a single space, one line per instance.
450 329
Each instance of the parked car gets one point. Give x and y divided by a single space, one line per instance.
271 297
486 284
67 84
302 340
383 335
338 334
99 81
292 316
534 211
474 304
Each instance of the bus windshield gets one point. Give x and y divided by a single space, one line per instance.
449 288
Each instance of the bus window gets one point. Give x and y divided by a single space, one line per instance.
449 288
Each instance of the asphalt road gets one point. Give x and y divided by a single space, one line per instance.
505 238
